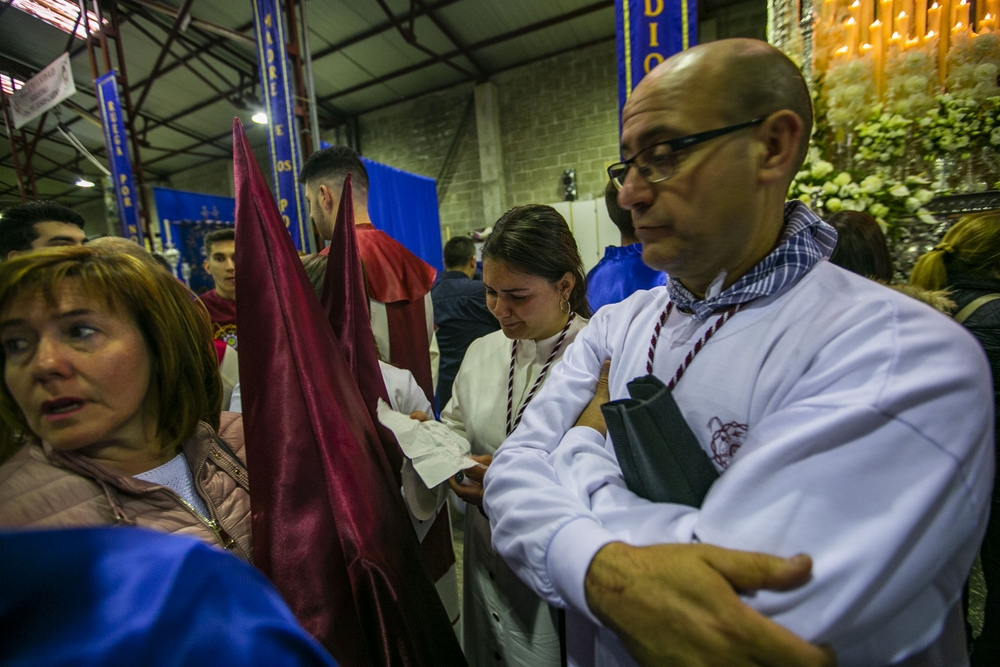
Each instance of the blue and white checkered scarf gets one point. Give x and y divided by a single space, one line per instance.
805 240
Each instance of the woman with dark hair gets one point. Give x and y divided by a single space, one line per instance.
967 262
536 289
861 246
111 400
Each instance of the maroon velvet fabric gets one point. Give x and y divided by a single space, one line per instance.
409 347
329 527
346 307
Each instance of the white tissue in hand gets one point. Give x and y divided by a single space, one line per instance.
436 451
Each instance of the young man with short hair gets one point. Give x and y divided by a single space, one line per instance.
220 263
37 224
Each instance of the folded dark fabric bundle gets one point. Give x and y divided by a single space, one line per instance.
660 457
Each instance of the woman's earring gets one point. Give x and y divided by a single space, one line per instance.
566 309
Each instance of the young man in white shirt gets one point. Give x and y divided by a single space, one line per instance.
847 422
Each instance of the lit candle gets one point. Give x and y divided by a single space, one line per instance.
911 43
828 11
895 43
903 25
852 33
878 51
934 19
867 14
944 38
962 14
855 10
885 18
988 24
921 26
993 9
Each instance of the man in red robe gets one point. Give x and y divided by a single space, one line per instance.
220 263
398 282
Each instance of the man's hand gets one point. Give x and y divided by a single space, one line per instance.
675 604
592 415
472 493
420 416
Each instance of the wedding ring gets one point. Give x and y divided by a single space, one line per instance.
459 477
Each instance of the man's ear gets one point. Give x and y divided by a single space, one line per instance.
781 135
204 265
326 199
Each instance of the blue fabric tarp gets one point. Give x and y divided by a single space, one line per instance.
405 206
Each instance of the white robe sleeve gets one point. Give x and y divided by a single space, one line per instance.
435 351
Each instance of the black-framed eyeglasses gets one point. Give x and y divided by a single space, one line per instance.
657 163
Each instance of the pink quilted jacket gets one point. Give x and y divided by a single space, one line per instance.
42 488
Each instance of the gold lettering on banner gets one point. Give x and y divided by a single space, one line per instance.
272 72
270 55
282 204
128 202
648 64
288 221
654 7
125 191
274 89
268 39
123 178
279 130
653 37
267 20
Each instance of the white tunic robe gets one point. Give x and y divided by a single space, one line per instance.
505 622
849 422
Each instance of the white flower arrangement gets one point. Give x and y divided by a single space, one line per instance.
850 93
879 195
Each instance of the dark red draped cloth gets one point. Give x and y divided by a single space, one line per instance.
329 528
346 305
400 280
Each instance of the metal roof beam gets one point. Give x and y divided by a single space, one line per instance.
446 31
198 23
476 46
410 38
378 29
171 36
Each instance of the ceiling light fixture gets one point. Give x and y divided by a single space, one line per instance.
260 118
83 183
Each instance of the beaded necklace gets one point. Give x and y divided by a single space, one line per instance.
512 424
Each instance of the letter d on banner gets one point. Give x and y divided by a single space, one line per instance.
649 32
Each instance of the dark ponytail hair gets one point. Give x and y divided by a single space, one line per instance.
536 240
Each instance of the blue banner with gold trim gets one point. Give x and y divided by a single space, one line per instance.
649 32
117 149
283 136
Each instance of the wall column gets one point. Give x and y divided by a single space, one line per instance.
491 168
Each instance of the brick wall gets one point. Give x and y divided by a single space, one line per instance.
558 114
555 114
416 136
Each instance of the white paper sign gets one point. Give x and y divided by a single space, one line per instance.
43 91
436 451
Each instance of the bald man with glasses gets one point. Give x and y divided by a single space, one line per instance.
839 482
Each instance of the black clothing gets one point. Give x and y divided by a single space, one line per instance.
461 316
984 324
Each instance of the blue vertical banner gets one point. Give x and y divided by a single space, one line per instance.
283 137
649 32
117 149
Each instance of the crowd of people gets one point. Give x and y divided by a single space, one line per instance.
733 442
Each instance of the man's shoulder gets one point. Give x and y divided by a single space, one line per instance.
873 314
